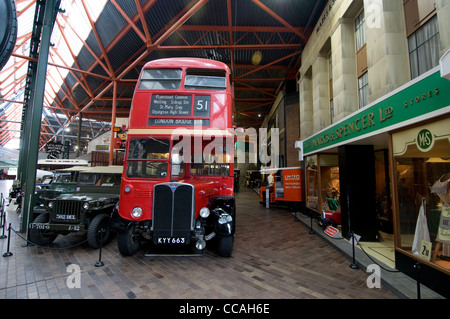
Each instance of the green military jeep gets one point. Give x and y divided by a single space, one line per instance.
63 182
87 209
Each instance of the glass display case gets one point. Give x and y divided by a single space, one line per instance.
322 186
421 157
329 182
312 183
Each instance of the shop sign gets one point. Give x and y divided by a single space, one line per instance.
425 250
325 15
332 232
53 149
424 140
415 99
444 225
423 137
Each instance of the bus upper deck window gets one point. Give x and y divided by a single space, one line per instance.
205 80
160 79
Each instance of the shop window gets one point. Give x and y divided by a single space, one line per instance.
329 182
360 31
424 47
417 12
363 90
322 185
312 183
361 60
422 173
330 78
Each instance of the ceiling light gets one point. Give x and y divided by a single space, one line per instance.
256 57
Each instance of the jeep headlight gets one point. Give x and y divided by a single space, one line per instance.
204 212
136 212
86 206
50 204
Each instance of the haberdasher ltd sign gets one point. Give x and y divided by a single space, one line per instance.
417 98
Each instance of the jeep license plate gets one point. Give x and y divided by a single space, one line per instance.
171 240
65 217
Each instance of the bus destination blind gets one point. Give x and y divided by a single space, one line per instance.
170 108
171 105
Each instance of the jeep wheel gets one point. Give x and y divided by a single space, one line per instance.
226 246
128 242
42 237
98 228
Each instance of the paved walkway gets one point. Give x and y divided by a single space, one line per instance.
274 257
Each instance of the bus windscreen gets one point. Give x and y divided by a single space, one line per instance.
160 79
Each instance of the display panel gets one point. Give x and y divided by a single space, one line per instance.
312 183
422 173
170 105
329 178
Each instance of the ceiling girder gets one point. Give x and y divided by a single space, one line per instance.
232 38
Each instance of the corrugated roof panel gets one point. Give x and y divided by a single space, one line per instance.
109 24
163 14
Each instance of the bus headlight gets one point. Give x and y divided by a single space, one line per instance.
127 189
200 244
225 218
204 212
136 212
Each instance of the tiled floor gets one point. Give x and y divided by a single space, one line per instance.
274 257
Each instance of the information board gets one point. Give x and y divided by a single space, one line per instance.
176 110
171 105
444 225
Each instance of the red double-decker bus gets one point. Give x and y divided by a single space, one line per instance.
177 183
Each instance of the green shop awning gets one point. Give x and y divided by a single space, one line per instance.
424 97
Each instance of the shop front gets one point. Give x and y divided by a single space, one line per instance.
383 167
421 170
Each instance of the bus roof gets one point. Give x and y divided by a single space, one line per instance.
186 62
73 169
71 162
113 169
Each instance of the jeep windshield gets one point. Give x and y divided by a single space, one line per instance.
148 158
63 178
90 179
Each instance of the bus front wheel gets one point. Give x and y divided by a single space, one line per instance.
226 246
128 242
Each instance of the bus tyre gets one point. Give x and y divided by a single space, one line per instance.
8 30
226 246
42 237
127 242
98 228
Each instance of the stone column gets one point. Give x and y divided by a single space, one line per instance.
443 14
321 96
345 90
387 47
306 106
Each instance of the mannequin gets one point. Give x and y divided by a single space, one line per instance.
442 188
